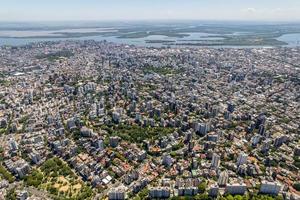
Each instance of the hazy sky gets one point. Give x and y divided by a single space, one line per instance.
54 10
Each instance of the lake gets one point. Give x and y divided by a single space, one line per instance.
293 40
18 38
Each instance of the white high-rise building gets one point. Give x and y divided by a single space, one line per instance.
117 194
272 188
215 162
100 145
237 188
223 178
242 159
13 145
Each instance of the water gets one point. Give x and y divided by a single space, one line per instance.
192 38
292 39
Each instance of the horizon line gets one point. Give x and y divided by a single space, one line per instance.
151 20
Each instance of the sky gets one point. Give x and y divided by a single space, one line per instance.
104 10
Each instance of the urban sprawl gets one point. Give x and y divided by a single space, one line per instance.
97 120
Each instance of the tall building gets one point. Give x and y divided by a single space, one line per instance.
213 191
114 141
159 193
223 178
215 163
167 160
203 128
117 194
242 159
187 191
116 117
230 107
99 144
236 188
271 188
35 157
13 145
297 151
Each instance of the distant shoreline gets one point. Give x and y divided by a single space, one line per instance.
159 35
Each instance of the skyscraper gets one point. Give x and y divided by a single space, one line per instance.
215 162
223 178
242 159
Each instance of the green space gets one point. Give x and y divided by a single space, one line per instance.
297 186
297 161
137 133
6 174
160 41
236 41
58 179
143 34
56 55
11 194
161 70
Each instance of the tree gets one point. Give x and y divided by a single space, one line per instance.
53 190
297 186
238 197
11 195
202 197
229 197
202 187
144 193
6 174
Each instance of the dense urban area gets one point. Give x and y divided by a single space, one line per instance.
98 120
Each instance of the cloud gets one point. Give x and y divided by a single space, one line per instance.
249 10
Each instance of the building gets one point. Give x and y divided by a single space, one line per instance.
272 188
117 194
86 132
99 144
167 160
159 193
35 157
223 178
213 191
215 163
236 188
187 191
297 151
142 155
114 141
242 159
13 145
116 117
22 195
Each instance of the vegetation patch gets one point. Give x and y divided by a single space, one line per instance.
57 178
161 70
6 174
137 133
56 55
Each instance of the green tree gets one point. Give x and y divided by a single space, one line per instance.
202 187
238 197
144 193
297 186
6 174
11 195
202 197
229 197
